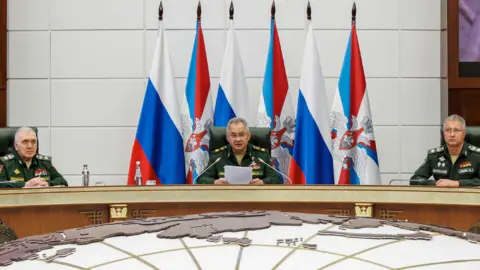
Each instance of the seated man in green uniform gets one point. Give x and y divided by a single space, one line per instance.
24 168
239 153
457 163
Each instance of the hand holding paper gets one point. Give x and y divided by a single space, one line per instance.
238 175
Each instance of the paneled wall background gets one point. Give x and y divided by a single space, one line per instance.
77 69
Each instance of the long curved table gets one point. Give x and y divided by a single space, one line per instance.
43 210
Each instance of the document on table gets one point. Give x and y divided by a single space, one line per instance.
236 175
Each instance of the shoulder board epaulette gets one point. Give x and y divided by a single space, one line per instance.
259 148
42 157
474 148
436 150
220 149
7 157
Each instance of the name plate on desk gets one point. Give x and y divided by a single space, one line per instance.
151 183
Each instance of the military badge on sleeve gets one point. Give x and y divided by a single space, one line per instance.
16 171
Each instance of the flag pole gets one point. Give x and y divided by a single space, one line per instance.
160 16
272 11
309 11
199 11
354 14
160 11
231 11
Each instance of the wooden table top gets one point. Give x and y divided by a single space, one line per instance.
238 193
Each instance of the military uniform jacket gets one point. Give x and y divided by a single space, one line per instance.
466 169
259 170
12 168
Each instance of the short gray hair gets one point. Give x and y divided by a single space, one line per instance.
21 131
237 120
455 117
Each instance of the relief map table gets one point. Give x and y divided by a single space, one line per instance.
44 210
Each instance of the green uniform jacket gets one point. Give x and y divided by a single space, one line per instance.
259 170
12 168
466 169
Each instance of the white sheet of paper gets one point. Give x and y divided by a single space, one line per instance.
236 175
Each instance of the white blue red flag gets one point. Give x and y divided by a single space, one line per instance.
198 110
276 109
354 149
232 98
158 143
312 153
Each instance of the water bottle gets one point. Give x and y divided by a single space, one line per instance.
85 175
138 175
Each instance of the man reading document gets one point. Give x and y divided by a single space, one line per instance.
239 153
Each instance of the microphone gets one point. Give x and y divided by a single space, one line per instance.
289 180
215 162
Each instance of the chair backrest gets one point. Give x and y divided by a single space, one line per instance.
6 233
472 137
7 137
260 137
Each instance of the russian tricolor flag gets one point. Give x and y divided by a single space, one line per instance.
232 98
158 143
354 148
275 108
312 158
198 110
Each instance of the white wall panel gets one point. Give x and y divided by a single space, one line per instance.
383 95
28 14
388 148
105 150
94 61
377 14
420 100
423 14
331 85
28 54
28 103
253 46
293 45
255 89
96 14
116 102
44 141
181 46
378 61
415 142
331 15
331 47
253 14
183 14
98 54
420 54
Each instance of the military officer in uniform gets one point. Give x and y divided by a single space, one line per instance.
239 153
457 163
24 167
